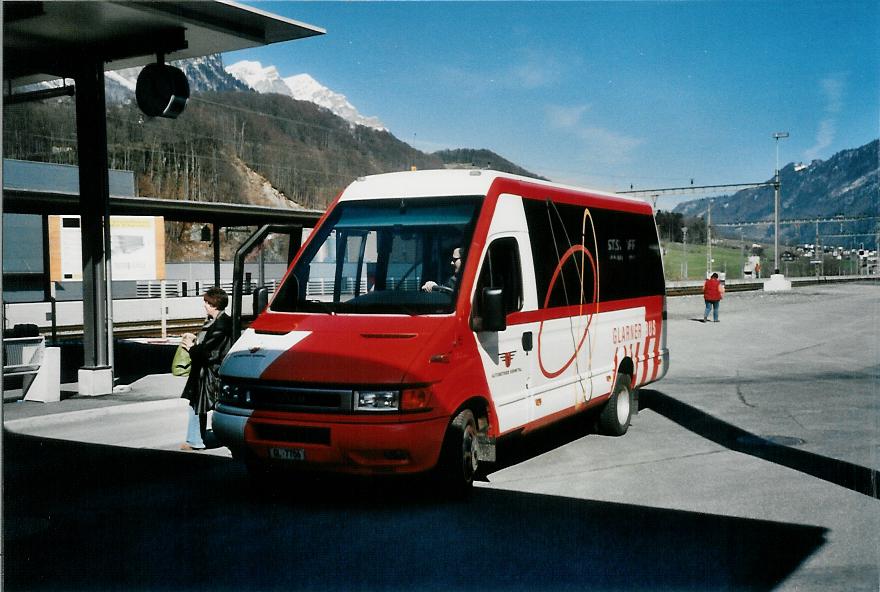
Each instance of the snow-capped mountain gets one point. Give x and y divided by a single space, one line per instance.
306 88
209 74
204 74
301 87
260 79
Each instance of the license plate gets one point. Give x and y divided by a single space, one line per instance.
287 453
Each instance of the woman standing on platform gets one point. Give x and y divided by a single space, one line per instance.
207 350
713 292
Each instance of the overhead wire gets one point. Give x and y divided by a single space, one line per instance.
267 115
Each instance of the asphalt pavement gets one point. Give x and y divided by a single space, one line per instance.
771 414
752 465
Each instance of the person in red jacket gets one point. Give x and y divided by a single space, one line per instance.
713 292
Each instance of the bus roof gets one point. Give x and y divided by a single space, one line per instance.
449 182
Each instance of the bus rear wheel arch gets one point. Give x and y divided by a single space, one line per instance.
616 414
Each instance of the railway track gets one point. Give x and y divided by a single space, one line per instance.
691 290
136 329
736 286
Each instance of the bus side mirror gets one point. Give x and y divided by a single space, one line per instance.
261 299
492 315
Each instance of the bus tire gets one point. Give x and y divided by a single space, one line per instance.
458 457
617 412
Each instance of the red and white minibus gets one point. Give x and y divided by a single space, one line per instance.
430 313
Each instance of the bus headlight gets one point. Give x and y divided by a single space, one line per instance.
376 400
228 392
232 393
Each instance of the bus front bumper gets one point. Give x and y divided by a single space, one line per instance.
331 443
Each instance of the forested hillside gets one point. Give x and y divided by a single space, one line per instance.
239 146
305 152
482 159
229 147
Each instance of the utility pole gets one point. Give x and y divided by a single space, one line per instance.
777 281
777 136
877 248
684 232
709 239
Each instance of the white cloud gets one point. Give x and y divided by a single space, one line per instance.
824 137
561 117
537 69
532 70
607 146
598 145
832 90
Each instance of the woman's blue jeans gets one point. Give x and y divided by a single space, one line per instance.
193 429
713 306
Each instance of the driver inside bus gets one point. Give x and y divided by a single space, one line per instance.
452 283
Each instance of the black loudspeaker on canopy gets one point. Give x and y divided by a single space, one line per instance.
162 90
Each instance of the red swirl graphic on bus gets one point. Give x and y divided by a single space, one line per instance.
556 273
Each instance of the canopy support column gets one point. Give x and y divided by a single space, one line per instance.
216 239
96 375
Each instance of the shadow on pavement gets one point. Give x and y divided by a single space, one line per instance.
851 476
132 360
518 448
81 516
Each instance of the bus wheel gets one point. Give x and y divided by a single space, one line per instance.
616 414
458 458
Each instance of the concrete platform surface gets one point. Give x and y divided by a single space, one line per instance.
153 387
752 465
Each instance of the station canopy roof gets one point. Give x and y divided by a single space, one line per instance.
50 40
46 40
17 201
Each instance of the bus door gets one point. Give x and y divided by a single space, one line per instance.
506 354
267 252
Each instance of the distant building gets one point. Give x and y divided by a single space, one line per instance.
31 248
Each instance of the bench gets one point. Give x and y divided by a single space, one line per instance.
38 365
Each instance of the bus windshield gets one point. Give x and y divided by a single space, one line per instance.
375 256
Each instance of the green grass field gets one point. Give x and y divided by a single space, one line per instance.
730 259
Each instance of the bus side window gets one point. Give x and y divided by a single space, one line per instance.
502 269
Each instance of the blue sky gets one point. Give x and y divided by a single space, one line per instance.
603 94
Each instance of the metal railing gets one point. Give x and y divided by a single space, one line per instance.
316 287
181 288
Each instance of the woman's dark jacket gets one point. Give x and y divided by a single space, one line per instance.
203 385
